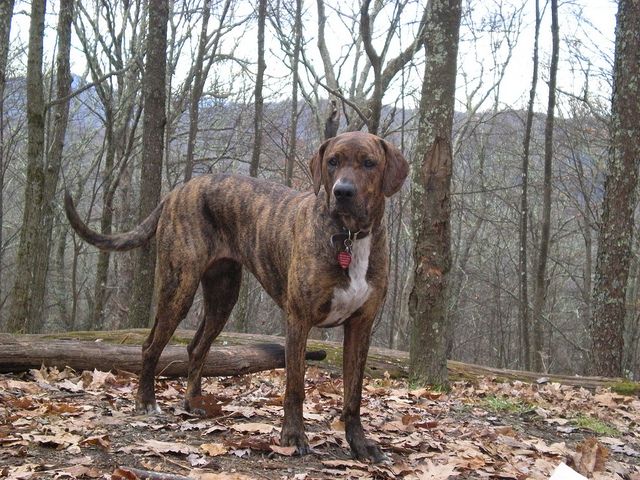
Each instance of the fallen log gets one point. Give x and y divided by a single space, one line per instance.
22 353
381 361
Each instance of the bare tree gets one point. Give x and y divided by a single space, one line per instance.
523 277
59 113
154 85
363 99
27 308
293 123
196 89
258 95
616 224
208 49
537 362
120 102
431 195
6 14
22 314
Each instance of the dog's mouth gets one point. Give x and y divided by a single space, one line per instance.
352 220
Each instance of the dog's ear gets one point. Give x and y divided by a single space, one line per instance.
315 166
396 169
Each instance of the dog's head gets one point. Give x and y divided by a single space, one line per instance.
358 170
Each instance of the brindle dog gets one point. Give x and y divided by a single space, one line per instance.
322 256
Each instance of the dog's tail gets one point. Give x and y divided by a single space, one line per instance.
137 237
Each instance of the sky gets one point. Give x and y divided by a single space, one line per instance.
588 26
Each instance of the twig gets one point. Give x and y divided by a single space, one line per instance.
86 87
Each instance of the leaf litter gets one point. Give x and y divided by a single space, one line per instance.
66 425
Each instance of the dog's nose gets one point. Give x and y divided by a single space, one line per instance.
344 190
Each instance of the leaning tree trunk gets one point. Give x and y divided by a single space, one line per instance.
431 202
21 314
616 225
154 87
541 272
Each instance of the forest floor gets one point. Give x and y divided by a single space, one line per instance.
66 424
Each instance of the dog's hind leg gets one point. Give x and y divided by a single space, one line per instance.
220 288
176 289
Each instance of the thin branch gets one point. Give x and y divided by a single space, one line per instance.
86 87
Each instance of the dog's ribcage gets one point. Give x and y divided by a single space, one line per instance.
347 300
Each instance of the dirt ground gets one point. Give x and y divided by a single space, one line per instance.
83 425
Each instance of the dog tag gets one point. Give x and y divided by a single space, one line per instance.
344 259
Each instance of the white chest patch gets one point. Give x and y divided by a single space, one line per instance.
347 300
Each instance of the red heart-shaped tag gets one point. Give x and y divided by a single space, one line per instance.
344 259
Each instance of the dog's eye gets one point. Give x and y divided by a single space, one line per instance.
368 163
333 161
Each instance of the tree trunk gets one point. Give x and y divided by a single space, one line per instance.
431 202
258 96
616 224
196 91
21 314
523 267
332 122
374 104
537 361
154 87
293 123
19 354
59 286
53 159
395 231
6 14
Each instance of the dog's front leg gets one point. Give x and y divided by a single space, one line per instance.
292 434
357 335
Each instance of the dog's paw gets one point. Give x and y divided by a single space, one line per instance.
295 439
368 451
147 408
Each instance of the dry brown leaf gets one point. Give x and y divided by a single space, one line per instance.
157 446
344 464
100 379
82 471
101 441
58 440
66 409
432 471
214 449
208 406
425 393
337 425
69 386
123 474
286 451
253 427
590 456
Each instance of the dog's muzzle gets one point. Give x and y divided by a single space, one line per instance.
344 191
347 207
